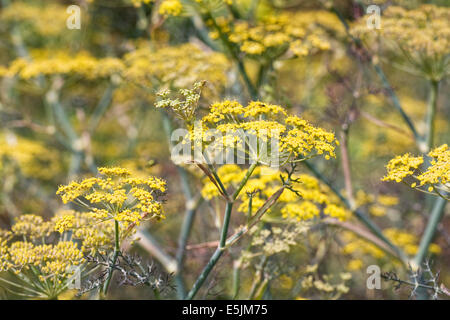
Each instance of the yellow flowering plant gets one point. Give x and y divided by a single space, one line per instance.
117 203
421 35
118 197
307 199
295 141
33 264
434 178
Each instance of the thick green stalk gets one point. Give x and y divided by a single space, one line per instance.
236 278
230 241
244 181
202 32
226 223
396 102
438 209
431 114
258 278
201 279
436 215
216 256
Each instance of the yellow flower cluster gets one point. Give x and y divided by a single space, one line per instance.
421 34
25 248
175 66
439 170
436 175
53 261
64 223
302 33
166 7
60 62
376 205
31 226
295 138
32 157
276 240
94 235
359 248
185 108
407 241
138 3
5 236
48 20
334 284
401 167
116 195
311 199
170 8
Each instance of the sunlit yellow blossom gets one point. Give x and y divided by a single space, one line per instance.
355 264
436 176
302 33
295 137
337 212
49 20
32 157
304 204
62 63
121 196
24 252
170 7
32 226
401 167
64 223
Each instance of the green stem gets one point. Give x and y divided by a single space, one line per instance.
436 215
438 209
223 237
431 114
226 223
227 243
252 10
244 181
258 278
52 98
216 256
396 102
115 256
201 279
236 278
261 290
234 12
